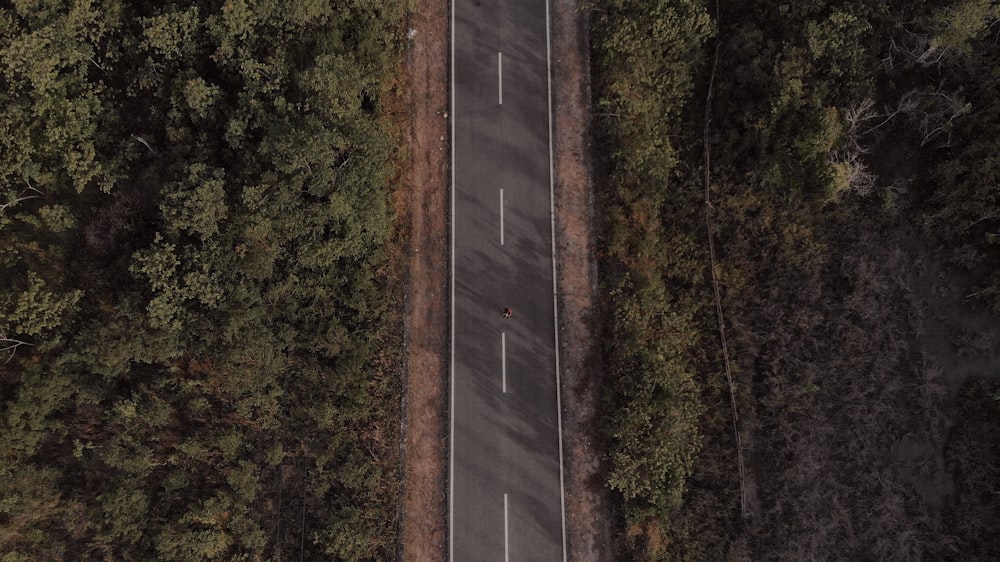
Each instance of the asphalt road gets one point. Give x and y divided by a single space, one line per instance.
505 497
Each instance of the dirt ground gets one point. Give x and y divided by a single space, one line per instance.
422 204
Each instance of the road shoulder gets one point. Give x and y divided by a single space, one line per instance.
587 511
422 210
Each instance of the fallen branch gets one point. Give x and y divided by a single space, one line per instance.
10 344
145 143
13 201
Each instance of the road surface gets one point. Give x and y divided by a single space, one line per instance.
506 494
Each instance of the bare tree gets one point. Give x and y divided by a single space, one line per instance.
935 117
862 120
856 174
915 49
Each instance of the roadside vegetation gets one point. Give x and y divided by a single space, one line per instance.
197 362
854 193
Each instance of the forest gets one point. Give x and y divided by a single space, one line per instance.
800 269
199 350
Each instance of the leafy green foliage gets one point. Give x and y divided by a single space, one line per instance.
194 204
648 56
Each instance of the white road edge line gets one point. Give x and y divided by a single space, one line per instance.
555 286
500 76
506 550
451 406
501 216
503 360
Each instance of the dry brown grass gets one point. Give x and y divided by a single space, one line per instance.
421 205
588 520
